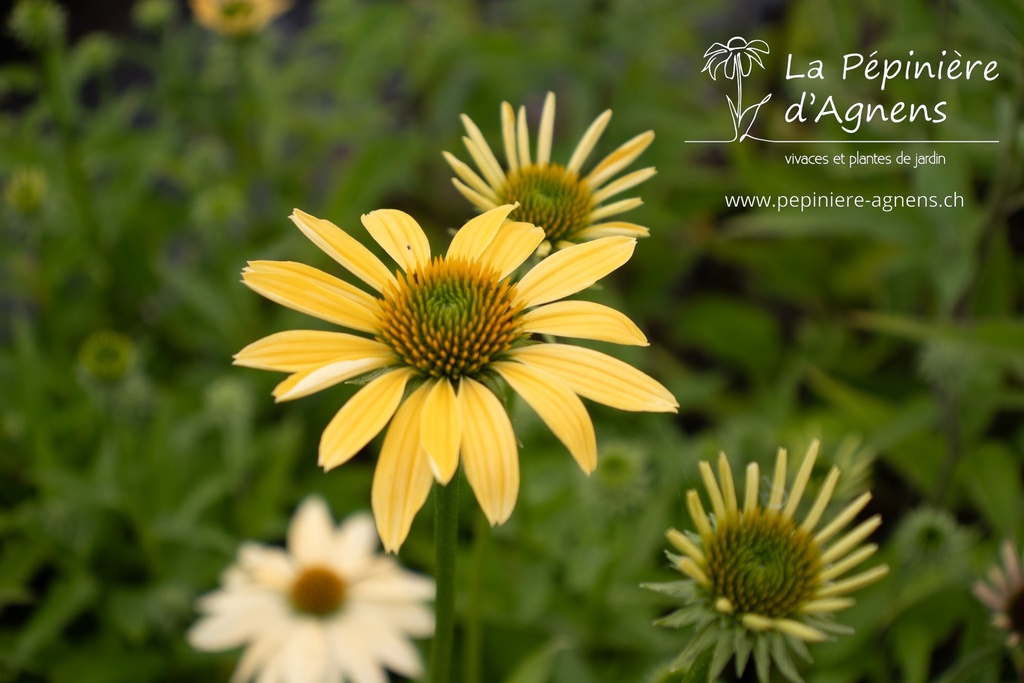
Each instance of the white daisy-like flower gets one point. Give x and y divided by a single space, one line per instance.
330 609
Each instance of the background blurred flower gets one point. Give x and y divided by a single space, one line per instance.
25 190
759 581
552 196
237 17
1003 593
327 609
446 328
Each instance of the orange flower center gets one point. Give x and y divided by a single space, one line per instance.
449 318
318 591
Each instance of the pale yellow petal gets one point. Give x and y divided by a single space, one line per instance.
489 165
441 429
345 249
802 477
508 135
854 583
314 379
568 271
800 630
753 484
475 236
547 129
313 292
490 454
779 481
824 495
362 418
728 485
624 183
493 174
685 545
402 479
699 516
843 518
400 235
587 142
694 571
475 198
295 350
583 320
619 159
512 245
613 229
621 206
599 377
560 409
711 486
827 605
851 540
469 177
836 570
523 138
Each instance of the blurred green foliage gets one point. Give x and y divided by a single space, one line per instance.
141 171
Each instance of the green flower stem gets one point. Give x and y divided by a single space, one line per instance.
474 641
446 530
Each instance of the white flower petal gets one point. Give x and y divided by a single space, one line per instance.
311 531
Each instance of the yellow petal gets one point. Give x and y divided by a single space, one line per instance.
523 138
362 418
779 481
344 249
512 245
475 198
400 235
568 271
612 229
620 206
854 583
313 292
295 350
475 236
802 477
547 129
619 159
587 142
624 183
560 409
800 630
599 377
470 178
482 154
685 545
753 484
320 377
508 136
583 320
714 493
851 540
490 455
728 485
441 429
824 495
402 480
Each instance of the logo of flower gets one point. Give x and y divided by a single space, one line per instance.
736 59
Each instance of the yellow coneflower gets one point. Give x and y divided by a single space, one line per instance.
569 206
436 337
760 581
237 18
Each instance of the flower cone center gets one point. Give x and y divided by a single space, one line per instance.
449 318
107 356
236 9
763 564
318 591
550 197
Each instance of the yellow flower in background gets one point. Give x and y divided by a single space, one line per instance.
329 608
237 17
435 337
759 580
1003 593
569 206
